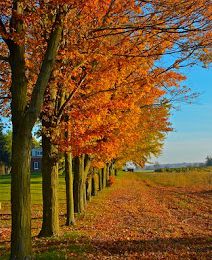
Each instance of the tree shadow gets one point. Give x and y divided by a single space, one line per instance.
119 247
193 244
206 193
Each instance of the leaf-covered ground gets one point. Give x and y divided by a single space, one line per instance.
134 219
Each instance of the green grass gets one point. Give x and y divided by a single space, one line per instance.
67 246
36 188
4 188
51 255
180 179
73 251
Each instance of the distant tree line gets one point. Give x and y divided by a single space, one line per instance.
5 146
208 161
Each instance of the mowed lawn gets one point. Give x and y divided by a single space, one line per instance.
142 216
36 188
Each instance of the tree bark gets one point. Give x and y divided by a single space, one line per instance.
78 170
50 225
69 190
107 173
94 189
81 166
88 188
104 173
85 195
100 179
111 169
21 246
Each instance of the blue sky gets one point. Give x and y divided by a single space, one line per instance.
191 140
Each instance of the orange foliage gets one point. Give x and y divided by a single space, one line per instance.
106 91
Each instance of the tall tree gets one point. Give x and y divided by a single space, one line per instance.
18 21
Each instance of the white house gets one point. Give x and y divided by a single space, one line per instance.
129 166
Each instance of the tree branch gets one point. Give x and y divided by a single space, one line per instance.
104 19
101 91
46 69
71 95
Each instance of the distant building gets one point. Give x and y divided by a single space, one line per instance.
36 158
129 167
4 169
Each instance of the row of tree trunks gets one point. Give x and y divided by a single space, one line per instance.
81 166
80 186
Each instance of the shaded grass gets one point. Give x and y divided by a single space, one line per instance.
68 246
51 255
70 252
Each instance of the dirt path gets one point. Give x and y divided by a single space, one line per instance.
139 220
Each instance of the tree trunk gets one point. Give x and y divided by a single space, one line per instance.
84 195
104 173
21 246
111 169
69 190
78 170
88 190
100 179
50 225
94 184
24 116
107 173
